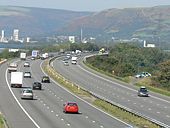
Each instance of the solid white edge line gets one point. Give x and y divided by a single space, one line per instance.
119 84
86 101
20 103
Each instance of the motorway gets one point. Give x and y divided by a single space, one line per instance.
46 110
156 107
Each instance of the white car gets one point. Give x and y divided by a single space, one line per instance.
139 75
26 64
142 75
32 58
27 93
146 74
27 74
12 67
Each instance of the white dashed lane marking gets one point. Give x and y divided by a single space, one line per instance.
62 119
149 109
167 116
68 124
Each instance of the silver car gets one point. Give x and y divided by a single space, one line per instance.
66 63
143 92
27 93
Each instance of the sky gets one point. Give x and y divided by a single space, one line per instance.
85 5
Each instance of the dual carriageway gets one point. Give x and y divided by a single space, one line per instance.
46 110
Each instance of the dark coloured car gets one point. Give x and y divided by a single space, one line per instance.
45 79
143 92
36 86
70 107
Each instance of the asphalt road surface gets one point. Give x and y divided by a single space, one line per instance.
46 110
156 106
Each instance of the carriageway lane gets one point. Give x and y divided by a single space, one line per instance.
154 107
14 115
46 108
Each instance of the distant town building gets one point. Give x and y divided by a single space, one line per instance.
2 37
28 40
84 41
13 50
16 35
71 39
3 34
148 45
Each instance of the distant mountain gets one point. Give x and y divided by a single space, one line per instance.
145 23
35 21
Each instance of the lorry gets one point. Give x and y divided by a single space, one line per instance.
23 56
74 60
44 56
35 54
16 79
78 52
12 67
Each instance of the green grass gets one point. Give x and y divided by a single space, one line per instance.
123 115
1 122
127 80
66 83
105 106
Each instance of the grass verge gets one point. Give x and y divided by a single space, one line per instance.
105 106
107 73
2 125
127 80
124 115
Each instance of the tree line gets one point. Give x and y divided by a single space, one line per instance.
123 60
127 60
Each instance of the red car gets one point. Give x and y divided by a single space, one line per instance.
70 107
